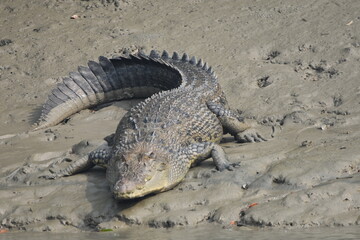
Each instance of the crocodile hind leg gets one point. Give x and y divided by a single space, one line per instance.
99 156
234 124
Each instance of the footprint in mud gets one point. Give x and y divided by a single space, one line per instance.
315 70
337 99
273 54
264 82
34 167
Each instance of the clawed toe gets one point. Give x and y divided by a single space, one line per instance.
228 166
235 165
249 136
51 176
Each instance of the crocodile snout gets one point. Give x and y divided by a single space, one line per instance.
123 189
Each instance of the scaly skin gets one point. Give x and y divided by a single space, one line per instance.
159 139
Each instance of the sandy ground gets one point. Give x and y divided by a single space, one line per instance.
292 66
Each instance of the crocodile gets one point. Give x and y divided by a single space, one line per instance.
180 123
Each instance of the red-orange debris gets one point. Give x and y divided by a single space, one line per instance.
3 230
252 205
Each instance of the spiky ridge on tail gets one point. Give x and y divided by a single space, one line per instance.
136 76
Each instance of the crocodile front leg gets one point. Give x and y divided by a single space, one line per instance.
99 156
234 124
199 151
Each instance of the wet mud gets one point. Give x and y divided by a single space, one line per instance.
292 67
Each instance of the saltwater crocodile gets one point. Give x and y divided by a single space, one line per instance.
180 123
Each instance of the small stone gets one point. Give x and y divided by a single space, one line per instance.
323 126
4 42
306 143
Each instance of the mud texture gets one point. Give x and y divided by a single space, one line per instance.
291 66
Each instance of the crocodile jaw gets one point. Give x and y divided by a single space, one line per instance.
142 170
124 189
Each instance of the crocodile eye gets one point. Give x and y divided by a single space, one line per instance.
150 154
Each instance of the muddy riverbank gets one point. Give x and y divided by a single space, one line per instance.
293 67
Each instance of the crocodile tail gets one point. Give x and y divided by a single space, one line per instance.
135 76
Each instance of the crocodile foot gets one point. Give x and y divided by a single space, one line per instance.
249 135
72 167
220 159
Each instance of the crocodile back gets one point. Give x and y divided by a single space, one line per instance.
133 76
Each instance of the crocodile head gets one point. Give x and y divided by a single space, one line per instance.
140 171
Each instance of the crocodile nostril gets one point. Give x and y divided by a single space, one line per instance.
124 187
116 187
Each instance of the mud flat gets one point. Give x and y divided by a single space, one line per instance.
292 67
